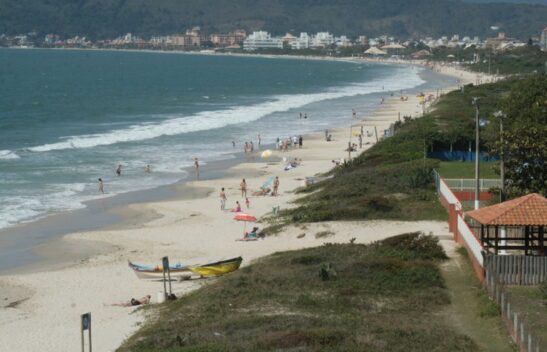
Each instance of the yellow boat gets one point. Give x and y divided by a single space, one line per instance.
218 268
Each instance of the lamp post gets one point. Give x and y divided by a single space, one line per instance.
501 115
477 153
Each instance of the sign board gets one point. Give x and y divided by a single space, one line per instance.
165 262
86 321
86 325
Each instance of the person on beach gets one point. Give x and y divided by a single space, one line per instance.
259 141
360 141
223 199
247 203
243 186
238 207
275 186
246 147
196 166
300 140
134 302
119 170
326 134
101 186
305 115
233 144
252 146
300 116
362 134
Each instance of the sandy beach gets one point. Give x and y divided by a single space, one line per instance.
40 310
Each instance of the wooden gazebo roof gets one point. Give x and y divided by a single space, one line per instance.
524 211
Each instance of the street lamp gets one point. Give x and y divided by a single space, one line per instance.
477 151
501 115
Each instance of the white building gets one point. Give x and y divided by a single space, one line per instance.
343 42
302 42
543 39
322 40
262 40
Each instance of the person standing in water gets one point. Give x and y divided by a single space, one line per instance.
196 166
147 169
233 144
119 170
101 186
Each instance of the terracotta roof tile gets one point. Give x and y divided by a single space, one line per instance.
528 210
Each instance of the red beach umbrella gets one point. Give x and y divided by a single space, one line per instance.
244 217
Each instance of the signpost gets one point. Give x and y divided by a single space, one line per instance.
86 325
166 272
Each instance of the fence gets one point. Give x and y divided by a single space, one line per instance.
515 322
459 155
517 269
468 184
470 241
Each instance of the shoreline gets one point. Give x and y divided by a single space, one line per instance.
98 213
190 230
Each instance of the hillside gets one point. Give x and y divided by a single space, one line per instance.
109 18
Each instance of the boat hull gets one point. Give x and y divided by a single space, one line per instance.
187 272
219 268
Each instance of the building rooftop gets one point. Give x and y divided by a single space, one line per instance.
528 210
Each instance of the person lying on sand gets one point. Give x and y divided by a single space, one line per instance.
263 192
134 302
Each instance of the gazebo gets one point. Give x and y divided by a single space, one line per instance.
375 51
516 225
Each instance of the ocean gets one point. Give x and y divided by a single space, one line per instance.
68 117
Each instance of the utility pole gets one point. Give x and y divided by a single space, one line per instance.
501 115
477 153
489 60
503 233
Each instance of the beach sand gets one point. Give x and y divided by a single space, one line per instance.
40 310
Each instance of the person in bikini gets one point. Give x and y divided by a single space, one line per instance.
134 302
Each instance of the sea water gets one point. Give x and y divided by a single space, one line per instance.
68 117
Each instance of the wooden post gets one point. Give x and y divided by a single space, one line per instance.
165 263
164 284
496 238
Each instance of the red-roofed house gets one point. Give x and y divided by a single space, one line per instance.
515 225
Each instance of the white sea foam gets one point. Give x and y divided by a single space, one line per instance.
403 78
8 155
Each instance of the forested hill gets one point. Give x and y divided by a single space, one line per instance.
406 18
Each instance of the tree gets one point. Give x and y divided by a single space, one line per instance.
525 137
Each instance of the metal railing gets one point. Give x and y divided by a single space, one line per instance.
468 184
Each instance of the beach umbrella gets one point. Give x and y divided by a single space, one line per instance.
266 154
268 182
244 217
